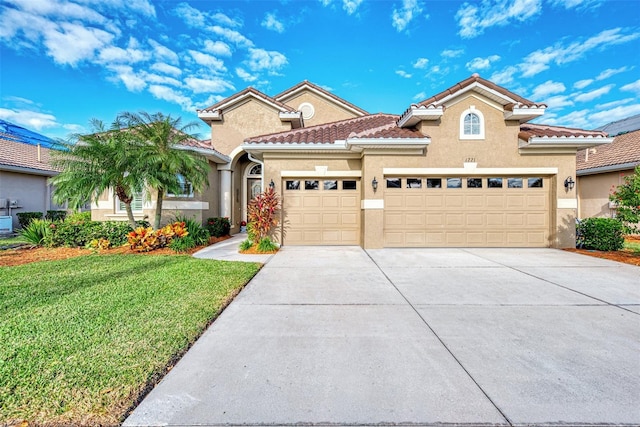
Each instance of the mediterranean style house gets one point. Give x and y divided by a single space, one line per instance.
463 168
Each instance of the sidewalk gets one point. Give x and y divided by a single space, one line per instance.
227 250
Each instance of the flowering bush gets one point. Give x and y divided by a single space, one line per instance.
627 199
145 239
218 227
262 215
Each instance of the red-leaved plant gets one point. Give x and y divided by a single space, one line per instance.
262 215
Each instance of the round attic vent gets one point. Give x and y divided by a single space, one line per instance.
307 110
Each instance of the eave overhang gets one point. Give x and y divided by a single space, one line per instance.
26 170
293 117
562 142
211 155
608 168
523 113
416 114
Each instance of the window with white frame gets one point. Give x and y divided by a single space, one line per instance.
186 188
136 203
471 124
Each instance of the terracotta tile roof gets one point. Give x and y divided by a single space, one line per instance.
372 126
319 89
240 94
529 130
475 78
204 144
624 149
21 155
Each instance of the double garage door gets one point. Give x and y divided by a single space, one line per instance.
321 211
466 211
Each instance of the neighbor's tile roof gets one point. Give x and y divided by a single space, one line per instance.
529 130
624 149
240 94
475 78
372 126
323 91
204 144
18 154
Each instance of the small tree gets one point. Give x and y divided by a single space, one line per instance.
262 215
627 199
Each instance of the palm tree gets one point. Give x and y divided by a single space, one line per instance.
91 164
166 157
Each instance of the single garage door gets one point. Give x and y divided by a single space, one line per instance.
321 211
466 211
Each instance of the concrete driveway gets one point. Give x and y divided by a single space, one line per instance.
343 336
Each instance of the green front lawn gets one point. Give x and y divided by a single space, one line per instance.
633 246
11 240
82 338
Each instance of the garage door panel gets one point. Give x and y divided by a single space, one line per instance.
478 216
323 216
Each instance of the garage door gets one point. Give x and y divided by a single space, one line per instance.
466 211
321 211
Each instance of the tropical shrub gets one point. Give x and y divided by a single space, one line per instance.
79 217
37 231
262 214
147 239
199 234
83 233
267 245
58 215
24 218
182 244
245 245
627 199
602 234
219 226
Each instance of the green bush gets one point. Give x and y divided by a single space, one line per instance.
37 231
56 215
79 217
198 233
602 234
267 245
219 227
26 217
246 245
75 234
182 244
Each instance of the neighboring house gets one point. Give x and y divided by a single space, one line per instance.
601 169
24 172
462 168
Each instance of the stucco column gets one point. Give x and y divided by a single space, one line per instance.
225 193
372 203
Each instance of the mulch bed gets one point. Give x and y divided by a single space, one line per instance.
28 254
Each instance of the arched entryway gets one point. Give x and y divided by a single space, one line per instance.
252 183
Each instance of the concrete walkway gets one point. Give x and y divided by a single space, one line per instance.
227 250
340 336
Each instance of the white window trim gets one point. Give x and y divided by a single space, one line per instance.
190 195
472 110
120 211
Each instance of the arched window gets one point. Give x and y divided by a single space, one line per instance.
471 124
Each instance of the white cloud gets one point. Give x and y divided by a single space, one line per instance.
350 6
596 93
223 19
611 115
207 60
232 35
577 119
612 72
473 19
326 2
547 88
162 67
245 76
130 55
614 104
481 63
28 118
163 53
260 59
400 18
217 48
126 75
559 101
404 74
505 76
558 54
632 87
421 63
577 4
190 15
270 22
419 96
152 78
71 43
581 84
168 94
215 85
452 53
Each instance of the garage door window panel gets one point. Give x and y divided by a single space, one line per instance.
474 182
349 185
434 182
394 183
514 183
534 182
292 185
494 182
311 185
330 185
454 182
414 183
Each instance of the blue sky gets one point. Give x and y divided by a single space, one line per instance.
64 62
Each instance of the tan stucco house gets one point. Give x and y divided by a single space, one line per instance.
601 169
25 169
462 168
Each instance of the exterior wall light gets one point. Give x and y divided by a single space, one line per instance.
569 183
374 184
272 185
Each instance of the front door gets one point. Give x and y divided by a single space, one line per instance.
255 187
